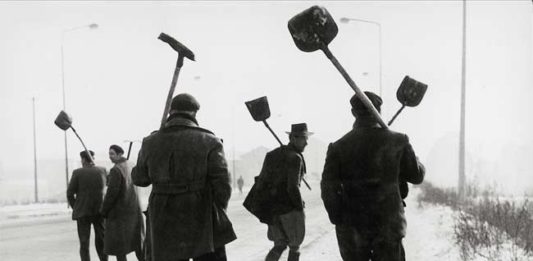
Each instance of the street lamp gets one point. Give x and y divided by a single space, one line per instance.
36 188
462 175
347 20
89 26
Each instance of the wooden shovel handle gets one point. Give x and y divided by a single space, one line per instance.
129 150
396 115
273 133
179 63
83 144
352 84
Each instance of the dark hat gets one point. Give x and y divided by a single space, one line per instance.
184 102
117 149
359 106
85 156
299 129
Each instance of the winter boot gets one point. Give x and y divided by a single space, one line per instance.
293 256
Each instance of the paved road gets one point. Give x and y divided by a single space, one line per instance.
429 235
56 239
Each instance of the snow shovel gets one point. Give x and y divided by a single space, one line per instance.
260 111
183 52
64 122
410 93
313 29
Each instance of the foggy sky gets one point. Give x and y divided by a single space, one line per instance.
117 76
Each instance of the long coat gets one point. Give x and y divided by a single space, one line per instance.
85 191
186 167
284 168
277 188
124 223
360 182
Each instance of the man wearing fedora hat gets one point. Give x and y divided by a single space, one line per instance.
361 186
283 168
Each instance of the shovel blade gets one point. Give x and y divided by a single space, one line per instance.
259 108
411 92
177 46
313 29
63 121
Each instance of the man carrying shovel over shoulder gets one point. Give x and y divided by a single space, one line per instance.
283 169
85 195
360 186
186 166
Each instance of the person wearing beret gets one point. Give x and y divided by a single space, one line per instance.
124 223
360 187
85 194
283 168
187 168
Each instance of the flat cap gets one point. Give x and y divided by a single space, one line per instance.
184 102
358 105
117 149
85 155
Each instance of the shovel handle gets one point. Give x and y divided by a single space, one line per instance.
396 115
306 184
83 144
352 84
129 150
179 63
271 131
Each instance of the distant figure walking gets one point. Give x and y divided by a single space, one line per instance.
85 194
361 187
121 208
240 184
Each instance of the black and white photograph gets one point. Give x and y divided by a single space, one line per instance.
266 130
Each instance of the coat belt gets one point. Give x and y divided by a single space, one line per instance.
178 188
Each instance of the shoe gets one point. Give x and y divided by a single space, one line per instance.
293 256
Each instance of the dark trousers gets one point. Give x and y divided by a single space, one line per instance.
84 234
138 253
218 255
286 230
357 246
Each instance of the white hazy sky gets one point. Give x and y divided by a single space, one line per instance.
117 76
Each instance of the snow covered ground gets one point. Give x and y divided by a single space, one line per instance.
429 234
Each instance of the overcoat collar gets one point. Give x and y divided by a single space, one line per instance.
364 122
181 120
122 159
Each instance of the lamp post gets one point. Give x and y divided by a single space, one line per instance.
347 20
36 191
63 33
462 175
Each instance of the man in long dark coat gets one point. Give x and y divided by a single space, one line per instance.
124 224
360 186
85 195
283 169
186 166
